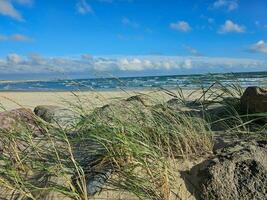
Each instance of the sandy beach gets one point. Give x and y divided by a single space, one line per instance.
12 100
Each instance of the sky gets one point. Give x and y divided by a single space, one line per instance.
42 39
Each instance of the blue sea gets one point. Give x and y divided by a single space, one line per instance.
148 82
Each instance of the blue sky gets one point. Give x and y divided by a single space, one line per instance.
82 38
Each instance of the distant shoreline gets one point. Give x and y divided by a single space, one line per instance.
21 81
86 91
126 77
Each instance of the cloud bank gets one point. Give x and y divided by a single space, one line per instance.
87 64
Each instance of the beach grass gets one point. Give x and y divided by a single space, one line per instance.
139 145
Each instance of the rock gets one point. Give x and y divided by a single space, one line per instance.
143 99
190 108
181 105
16 128
90 156
175 104
133 109
17 119
237 172
254 100
56 114
45 112
95 180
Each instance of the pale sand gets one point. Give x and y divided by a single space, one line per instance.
12 100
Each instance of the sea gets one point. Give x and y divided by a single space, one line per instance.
244 79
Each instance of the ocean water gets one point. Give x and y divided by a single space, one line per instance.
148 82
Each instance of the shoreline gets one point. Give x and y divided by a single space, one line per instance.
107 90
27 99
96 90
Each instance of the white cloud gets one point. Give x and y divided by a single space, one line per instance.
83 7
16 37
86 56
14 59
134 64
126 21
36 64
181 26
231 27
188 64
230 5
20 38
36 59
210 20
260 25
7 9
192 50
259 47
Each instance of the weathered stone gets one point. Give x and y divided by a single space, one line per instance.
133 109
254 100
55 114
18 119
144 99
175 104
237 172
18 130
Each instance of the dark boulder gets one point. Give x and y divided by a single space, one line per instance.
254 100
56 114
90 156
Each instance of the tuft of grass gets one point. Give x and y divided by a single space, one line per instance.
33 166
142 148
